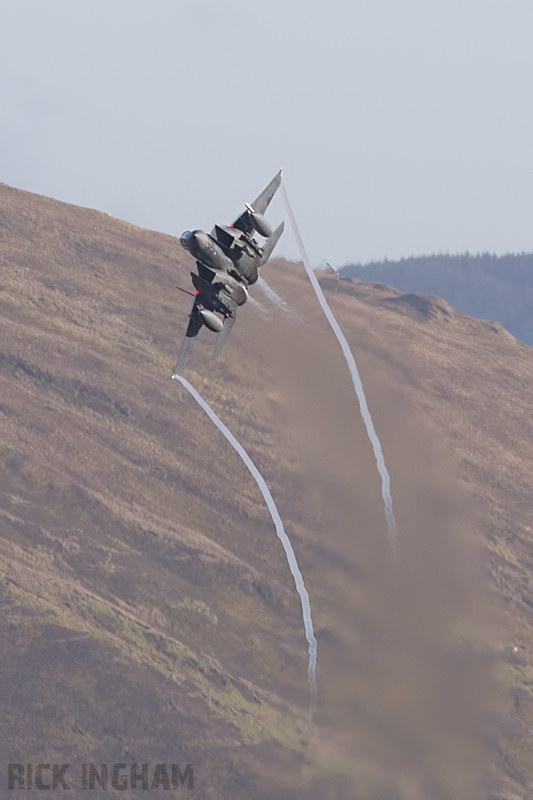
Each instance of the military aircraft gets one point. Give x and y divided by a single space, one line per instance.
227 262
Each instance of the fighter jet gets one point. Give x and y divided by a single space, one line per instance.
227 263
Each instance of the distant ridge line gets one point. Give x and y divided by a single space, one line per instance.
485 285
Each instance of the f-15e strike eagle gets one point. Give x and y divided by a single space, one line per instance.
227 262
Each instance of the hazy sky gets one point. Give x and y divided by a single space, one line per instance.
404 126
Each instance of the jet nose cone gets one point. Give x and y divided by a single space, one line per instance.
200 238
193 241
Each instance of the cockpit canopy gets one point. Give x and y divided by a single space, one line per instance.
185 239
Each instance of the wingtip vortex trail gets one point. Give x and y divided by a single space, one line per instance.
280 531
356 379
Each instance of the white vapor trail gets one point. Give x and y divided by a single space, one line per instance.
256 303
358 386
285 541
260 307
272 295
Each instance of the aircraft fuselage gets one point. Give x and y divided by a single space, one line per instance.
232 251
227 261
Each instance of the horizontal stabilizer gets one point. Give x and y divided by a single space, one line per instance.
270 243
223 335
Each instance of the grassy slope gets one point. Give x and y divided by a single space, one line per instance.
116 529
472 381
149 610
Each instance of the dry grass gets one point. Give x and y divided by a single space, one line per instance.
148 607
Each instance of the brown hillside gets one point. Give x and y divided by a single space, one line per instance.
149 613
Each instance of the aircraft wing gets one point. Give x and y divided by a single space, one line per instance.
260 204
192 333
